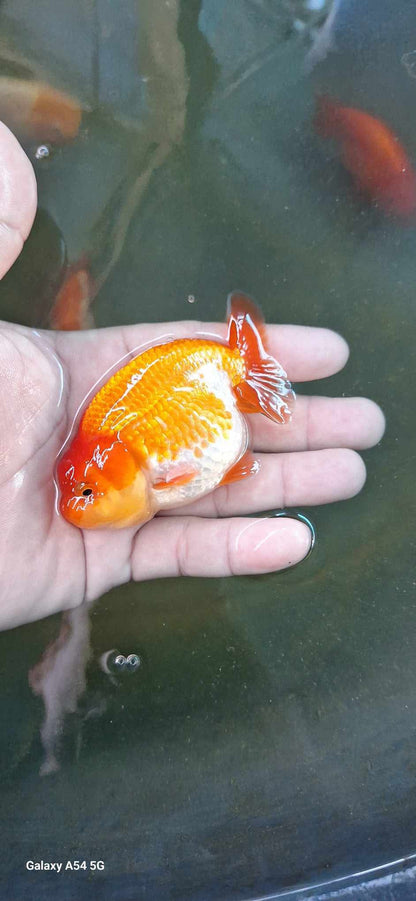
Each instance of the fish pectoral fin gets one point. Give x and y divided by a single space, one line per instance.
172 479
246 466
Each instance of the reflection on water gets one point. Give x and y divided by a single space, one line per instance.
130 121
59 679
409 62
269 738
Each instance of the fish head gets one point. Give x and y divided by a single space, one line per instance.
101 485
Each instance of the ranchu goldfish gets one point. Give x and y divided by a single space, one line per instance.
170 426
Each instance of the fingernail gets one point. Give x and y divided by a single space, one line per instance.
300 517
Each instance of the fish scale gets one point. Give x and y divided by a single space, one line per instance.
157 402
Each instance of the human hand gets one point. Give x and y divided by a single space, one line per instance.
48 565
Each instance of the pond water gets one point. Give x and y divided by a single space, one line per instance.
264 739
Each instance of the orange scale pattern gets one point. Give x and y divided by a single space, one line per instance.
164 408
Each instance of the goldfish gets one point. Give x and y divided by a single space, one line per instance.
169 426
71 309
372 154
35 111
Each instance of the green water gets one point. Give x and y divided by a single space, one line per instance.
268 738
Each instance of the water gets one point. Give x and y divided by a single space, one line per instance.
266 740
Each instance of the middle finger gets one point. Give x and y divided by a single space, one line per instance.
284 480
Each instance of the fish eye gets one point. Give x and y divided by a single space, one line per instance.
82 488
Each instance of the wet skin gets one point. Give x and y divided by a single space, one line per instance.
48 565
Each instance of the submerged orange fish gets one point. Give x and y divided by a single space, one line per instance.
169 427
71 310
372 154
35 111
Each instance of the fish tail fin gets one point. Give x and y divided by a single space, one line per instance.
71 310
265 388
327 120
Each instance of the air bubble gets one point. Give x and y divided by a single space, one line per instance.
120 661
113 663
133 662
191 298
42 152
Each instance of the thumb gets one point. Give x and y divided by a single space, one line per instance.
18 197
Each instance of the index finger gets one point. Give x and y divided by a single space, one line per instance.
305 353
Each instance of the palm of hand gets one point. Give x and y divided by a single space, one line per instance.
42 563
49 565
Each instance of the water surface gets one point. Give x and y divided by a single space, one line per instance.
267 740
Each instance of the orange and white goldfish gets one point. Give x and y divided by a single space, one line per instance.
71 310
169 426
35 111
372 154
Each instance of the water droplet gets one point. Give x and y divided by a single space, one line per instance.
42 152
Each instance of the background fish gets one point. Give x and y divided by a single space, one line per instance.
35 111
71 310
372 154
